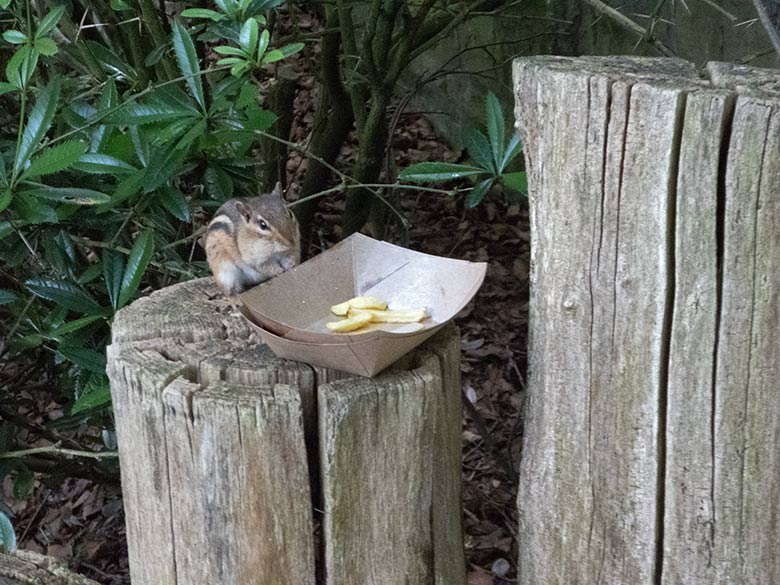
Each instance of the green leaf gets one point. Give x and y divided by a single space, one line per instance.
188 61
55 159
24 480
228 50
167 167
74 325
259 119
192 134
31 210
232 61
7 534
91 273
50 21
238 69
84 357
478 147
292 48
72 195
429 172
154 56
21 66
477 194
516 181
225 6
97 397
218 183
102 164
120 5
6 88
175 203
113 269
38 123
138 114
4 4
15 37
7 297
64 293
5 199
110 61
126 188
495 124
140 143
247 38
262 44
140 256
514 148
273 56
203 13
46 46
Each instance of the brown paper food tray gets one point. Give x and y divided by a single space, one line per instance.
367 358
296 304
291 310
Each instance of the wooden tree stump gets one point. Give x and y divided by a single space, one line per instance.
228 454
29 568
652 439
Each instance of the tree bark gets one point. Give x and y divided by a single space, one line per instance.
28 568
652 433
219 441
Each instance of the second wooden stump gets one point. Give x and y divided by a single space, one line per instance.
225 451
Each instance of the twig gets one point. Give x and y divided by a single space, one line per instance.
770 26
59 451
343 176
630 25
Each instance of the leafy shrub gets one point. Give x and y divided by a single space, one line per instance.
491 156
113 154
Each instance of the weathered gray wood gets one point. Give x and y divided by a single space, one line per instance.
652 438
689 514
28 568
391 465
219 450
747 412
242 512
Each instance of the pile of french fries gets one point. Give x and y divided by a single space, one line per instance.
360 311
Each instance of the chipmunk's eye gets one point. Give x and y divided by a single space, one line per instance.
263 225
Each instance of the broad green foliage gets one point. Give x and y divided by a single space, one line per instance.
111 158
492 157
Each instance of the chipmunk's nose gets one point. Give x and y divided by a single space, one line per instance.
285 262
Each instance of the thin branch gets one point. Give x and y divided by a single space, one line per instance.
630 25
769 26
56 449
343 176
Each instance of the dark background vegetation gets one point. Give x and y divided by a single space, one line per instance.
125 123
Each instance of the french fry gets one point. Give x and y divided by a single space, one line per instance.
406 316
350 324
342 309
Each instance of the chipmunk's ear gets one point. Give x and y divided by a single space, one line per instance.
245 212
277 192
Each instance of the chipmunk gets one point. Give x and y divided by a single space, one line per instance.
251 240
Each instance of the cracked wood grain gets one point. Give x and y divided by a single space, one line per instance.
651 445
28 568
220 462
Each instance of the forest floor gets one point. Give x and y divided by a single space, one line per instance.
81 520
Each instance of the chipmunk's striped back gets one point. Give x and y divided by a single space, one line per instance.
250 240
